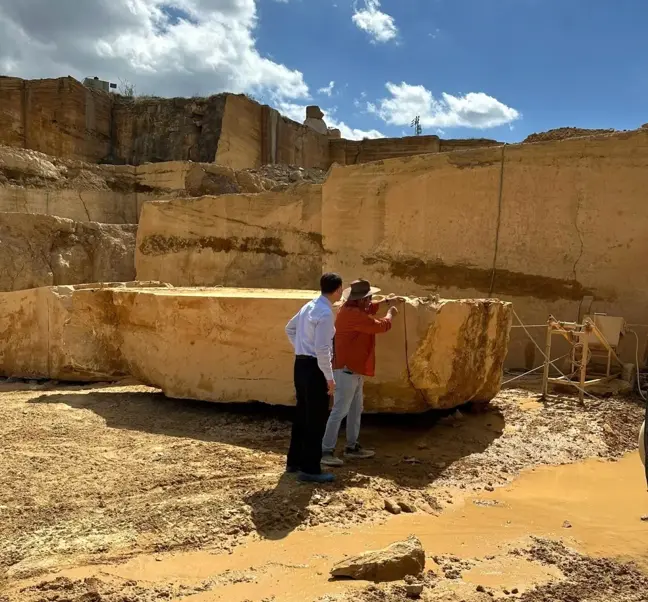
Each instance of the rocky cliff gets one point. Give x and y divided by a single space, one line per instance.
61 117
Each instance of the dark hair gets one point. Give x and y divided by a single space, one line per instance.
330 282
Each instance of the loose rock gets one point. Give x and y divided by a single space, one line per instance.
414 590
392 506
406 506
390 564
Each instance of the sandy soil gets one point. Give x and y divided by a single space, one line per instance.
105 477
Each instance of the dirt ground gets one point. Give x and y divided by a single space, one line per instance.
98 481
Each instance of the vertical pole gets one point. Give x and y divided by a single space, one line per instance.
583 370
609 362
545 376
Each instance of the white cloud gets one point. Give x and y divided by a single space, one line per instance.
328 90
379 25
164 47
297 112
474 110
350 133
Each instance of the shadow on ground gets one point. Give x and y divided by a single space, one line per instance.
412 451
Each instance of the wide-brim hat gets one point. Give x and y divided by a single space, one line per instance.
359 289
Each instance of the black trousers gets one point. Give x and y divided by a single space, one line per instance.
311 414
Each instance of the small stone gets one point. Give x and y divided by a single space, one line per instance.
481 588
425 507
644 518
514 591
506 592
567 525
392 506
406 506
411 460
440 464
389 564
489 488
414 590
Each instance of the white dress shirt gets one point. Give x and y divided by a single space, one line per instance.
311 332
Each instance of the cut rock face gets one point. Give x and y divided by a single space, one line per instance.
260 240
42 250
395 562
229 345
61 332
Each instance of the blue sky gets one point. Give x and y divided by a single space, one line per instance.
470 68
558 63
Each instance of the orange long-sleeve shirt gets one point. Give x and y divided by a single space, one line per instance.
355 338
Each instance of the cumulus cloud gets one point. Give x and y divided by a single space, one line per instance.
297 112
164 47
379 25
474 110
328 90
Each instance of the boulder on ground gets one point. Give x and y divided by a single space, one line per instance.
229 345
390 564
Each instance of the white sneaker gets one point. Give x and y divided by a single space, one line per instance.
328 459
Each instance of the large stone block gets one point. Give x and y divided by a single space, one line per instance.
41 250
229 345
61 332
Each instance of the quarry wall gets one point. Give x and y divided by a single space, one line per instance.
35 183
43 250
63 118
254 135
271 239
546 226
354 152
165 129
543 225
59 117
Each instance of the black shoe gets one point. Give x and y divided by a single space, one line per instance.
359 452
291 469
324 477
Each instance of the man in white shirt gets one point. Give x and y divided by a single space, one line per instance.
311 334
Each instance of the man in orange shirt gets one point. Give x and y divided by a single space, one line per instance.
354 358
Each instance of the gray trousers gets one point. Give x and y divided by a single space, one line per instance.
347 402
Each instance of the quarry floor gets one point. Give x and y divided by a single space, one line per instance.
117 494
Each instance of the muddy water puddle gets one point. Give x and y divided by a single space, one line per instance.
594 506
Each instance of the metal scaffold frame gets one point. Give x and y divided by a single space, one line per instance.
586 337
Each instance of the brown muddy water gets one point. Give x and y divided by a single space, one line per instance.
593 506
